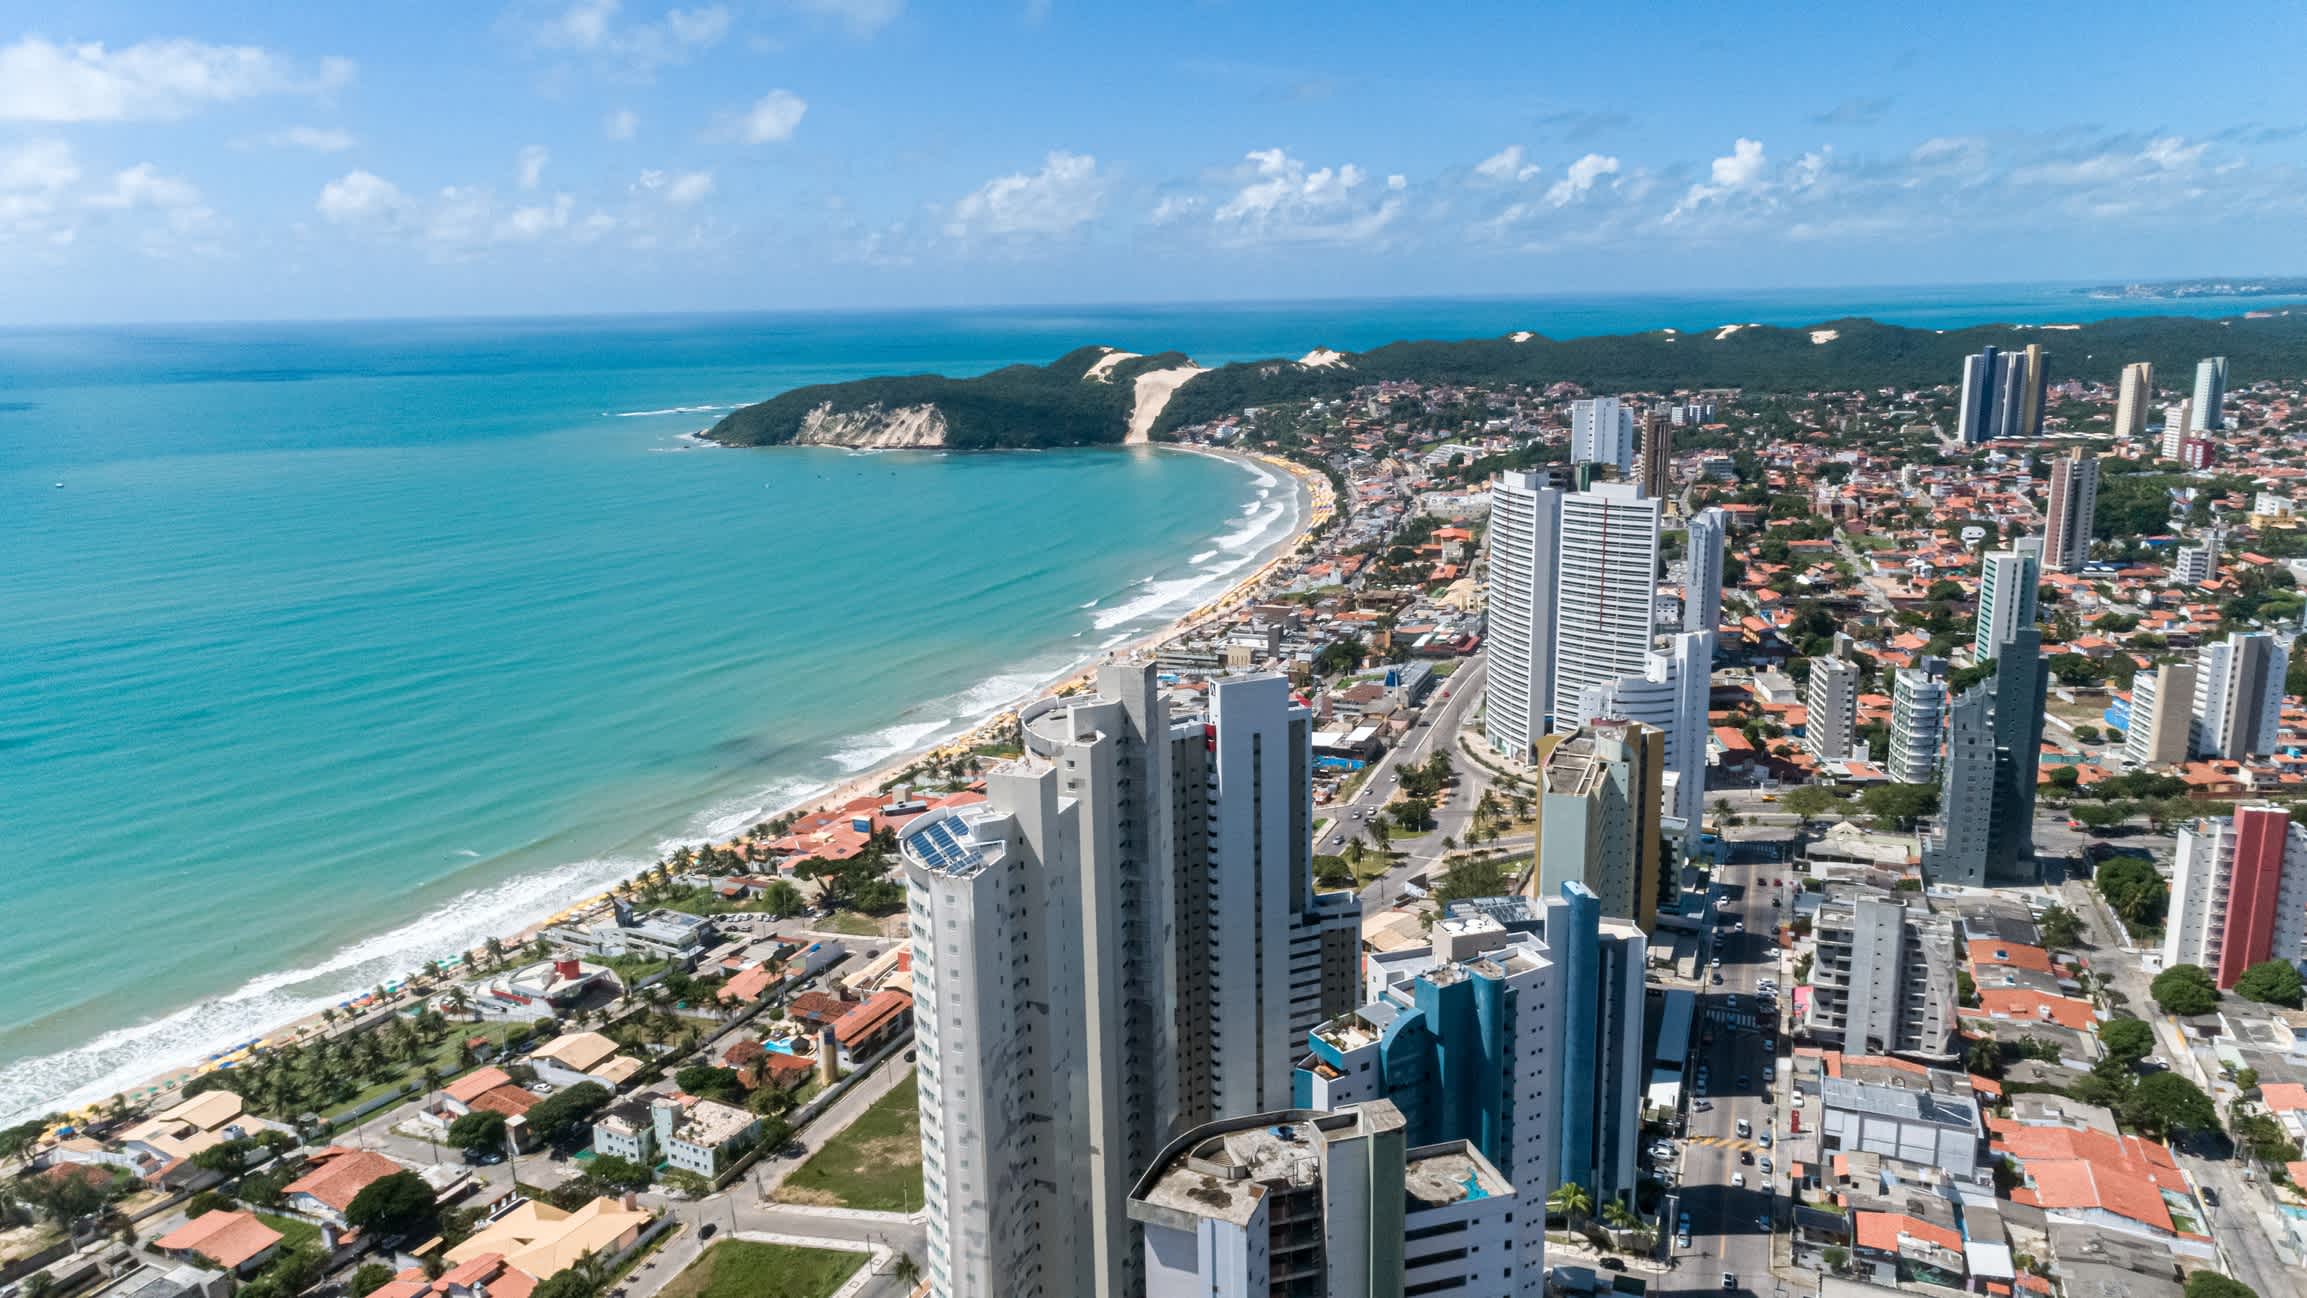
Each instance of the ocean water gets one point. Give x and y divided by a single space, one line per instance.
342 646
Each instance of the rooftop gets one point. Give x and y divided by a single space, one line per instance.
1226 1173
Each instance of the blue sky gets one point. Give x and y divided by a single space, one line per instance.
232 160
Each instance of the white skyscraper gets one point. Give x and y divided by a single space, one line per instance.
2176 418
1277 957
1607 565
1702 589
2239 694
1830 724
1123 939
2132 398
2008 581
2072 508
1525 530
1602 432
1670 696
1918 720
998 1026
2208 412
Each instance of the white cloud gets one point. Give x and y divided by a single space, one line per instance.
530 223
360 198
41 81
621 125
678 188
1740 169
595 29
34 178
1507 164
772 117
186 226
1174 208
143 186
314 139
1063 196
1580 179
1281 201
863 17
531 166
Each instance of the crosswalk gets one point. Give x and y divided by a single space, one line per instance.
1724 1142
1738 1020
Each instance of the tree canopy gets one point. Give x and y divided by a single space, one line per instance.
477 1132
2270 982
558 1117
391 1205
2129 1040
2184 989
2165 1103
2211 1284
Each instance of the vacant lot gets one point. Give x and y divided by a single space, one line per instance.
736 1268
874 1165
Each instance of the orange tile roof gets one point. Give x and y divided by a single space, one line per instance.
2070 1183
874 1015
229 1239
2283 1097
2011 955
2025 1004
476 1083
338 1174
1880 1231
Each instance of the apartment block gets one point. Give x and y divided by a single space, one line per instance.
1883 979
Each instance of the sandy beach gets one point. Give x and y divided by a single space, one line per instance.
1321 506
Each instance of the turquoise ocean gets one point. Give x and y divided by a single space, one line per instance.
329 648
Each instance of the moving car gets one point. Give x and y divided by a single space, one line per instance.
1730 1279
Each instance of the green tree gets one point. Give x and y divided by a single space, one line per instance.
2128 1040
17 1141
1810 801
614 1175
478 1132
391 1205
368 1278
2134 891
559 1117
1333 871
711 1083
1900 804
2211 1284
1413 814
291 1271
2263 1138
1986 1057
2184 989
2060 927
781 899
2166 1103
1472 878
2270 982
566 1284
1572 1201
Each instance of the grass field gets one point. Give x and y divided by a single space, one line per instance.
736 1268
874 1165
294 1230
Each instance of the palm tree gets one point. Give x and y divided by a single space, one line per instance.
907 1271
1571 1200
1619 1215
496 947
458 999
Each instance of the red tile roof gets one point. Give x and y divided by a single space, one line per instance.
229 1239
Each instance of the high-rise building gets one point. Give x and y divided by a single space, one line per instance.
2176 418
1883 979
1979 401
2031 397
1123 939
1830 710
1702 568
2198 564
1606 563
2011 401
1918 720
2238 702
2132 397
1598 799
994 897
1303 1203
1985 833
2074 504
2162 715
1276 958
2009 582
1657 453
2238 893
1670 696
2208 414
1525 533
1602 432
1470 1050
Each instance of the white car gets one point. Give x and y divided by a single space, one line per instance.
1738 1180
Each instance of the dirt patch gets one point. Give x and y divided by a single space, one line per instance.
808 1198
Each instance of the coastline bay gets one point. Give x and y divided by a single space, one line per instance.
348 644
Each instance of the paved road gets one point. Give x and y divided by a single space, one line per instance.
1443 716
1731 1224
2248 1247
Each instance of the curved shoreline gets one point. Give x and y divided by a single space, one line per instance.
1315 505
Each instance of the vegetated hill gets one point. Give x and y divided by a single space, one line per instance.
1848 353
1019 405
1057 405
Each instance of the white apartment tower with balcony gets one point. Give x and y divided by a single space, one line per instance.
1918 721
1702 568
1525 530
1606 561
1670 696
1602 432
